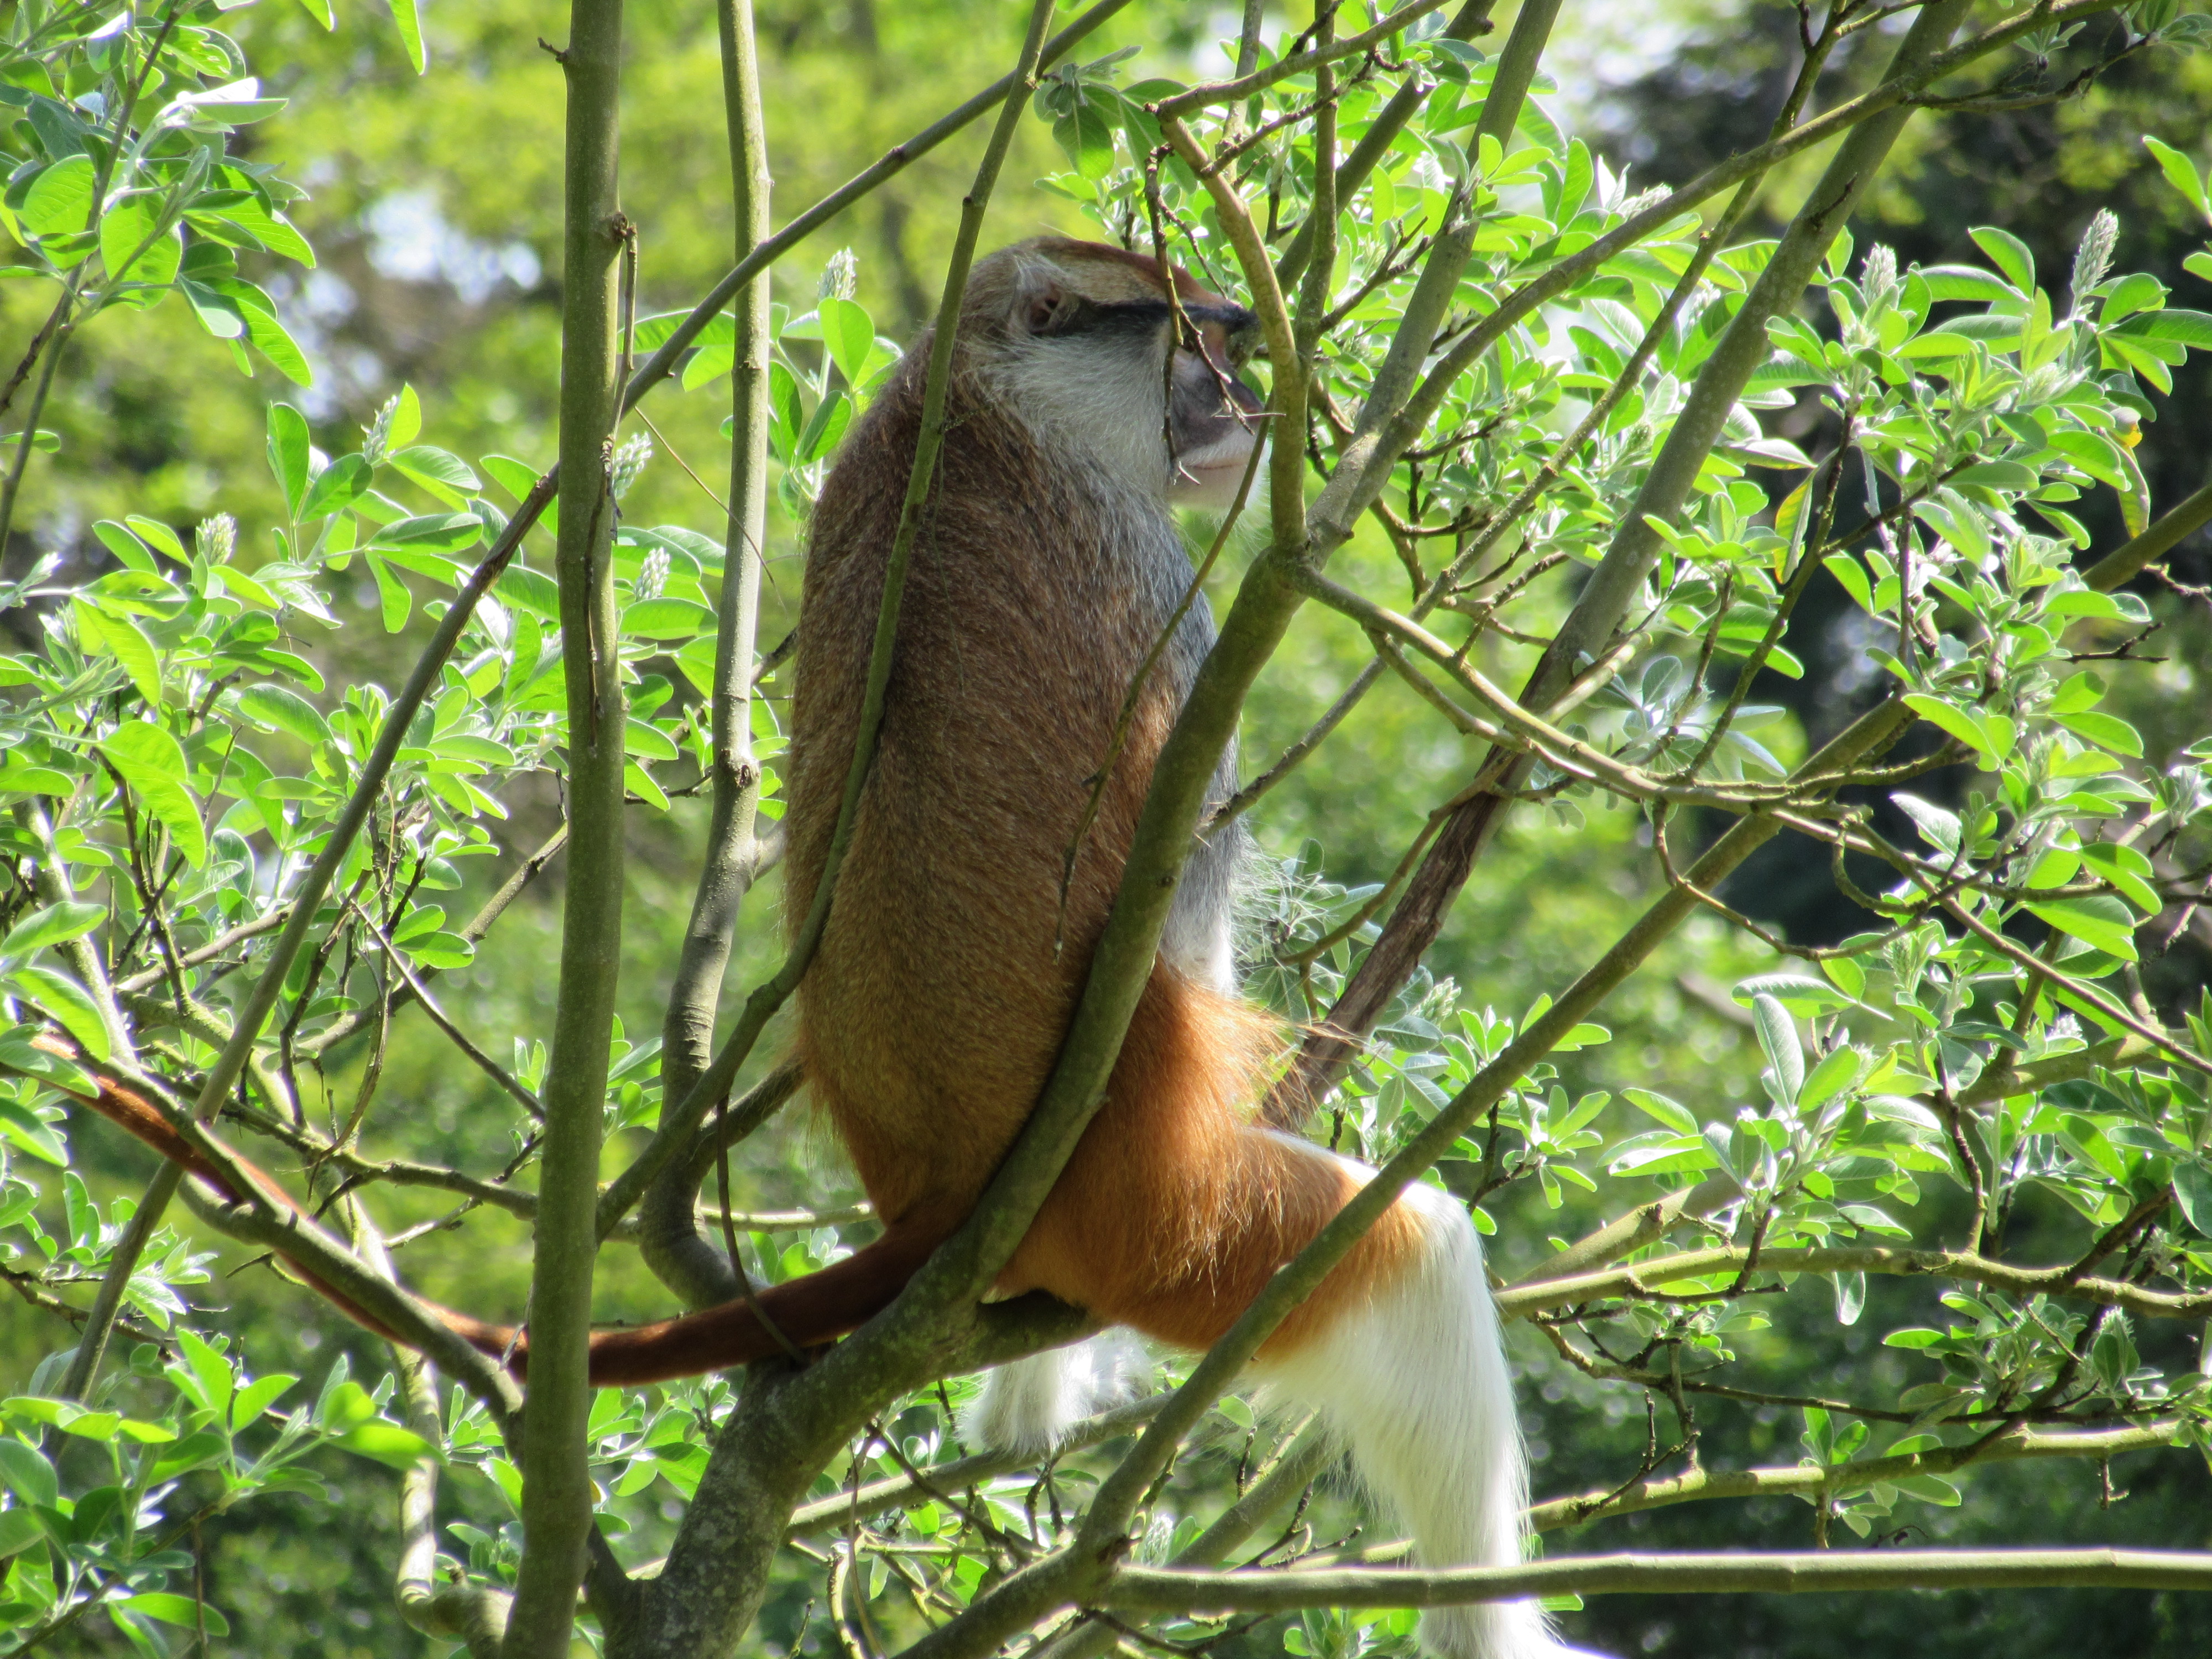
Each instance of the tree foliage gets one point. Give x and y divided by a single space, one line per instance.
1558 460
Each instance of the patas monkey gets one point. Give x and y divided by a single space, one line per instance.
1047 564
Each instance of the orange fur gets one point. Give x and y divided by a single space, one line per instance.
1175 1210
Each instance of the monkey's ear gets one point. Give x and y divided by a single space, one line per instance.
1045 305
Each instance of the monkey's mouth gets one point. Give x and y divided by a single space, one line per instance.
1217 462
1210 477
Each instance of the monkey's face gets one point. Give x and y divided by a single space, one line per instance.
1100 360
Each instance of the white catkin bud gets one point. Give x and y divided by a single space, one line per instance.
840 277
651 574
217 538
1878 276
374 434
1159 1539
630 457
2094 257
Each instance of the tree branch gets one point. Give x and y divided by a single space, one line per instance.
1166 1590
556 1487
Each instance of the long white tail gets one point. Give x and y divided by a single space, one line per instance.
1413 1379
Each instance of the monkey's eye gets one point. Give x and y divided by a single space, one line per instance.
1246 343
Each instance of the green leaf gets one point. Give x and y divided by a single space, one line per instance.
193 1452
219 314
1777 1035
392 595
57 924
255 314
2095 454
517 477
443 474
2106 731
447 951
1851 576
386 1443
1997 475
17 780
104 632
667 619
337 488
59 202
532 589
1850 1297
406 423
158 536
2137 291
784 412
289 448
849 333
2083 691
2192 1190
2104 924
1929 1488
2127 869
1835 1075
1914 1337
1954 720
19 1529
118 540
2009 254
21 1124
18 1053
1087 137
2184 327
152 762
209 1368
1675 1115
831 417
708 362
276 709
1797 992
67 1002
134 247
2181 174
273 231
409 24
1939 826
256 1397
178 1610
1962 283
430 532
26 1472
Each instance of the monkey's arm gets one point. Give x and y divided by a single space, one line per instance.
807 1312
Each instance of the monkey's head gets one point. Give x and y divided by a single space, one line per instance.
1081 340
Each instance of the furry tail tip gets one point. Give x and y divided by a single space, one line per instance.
1029 1406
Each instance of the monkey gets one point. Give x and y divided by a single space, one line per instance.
1048 563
